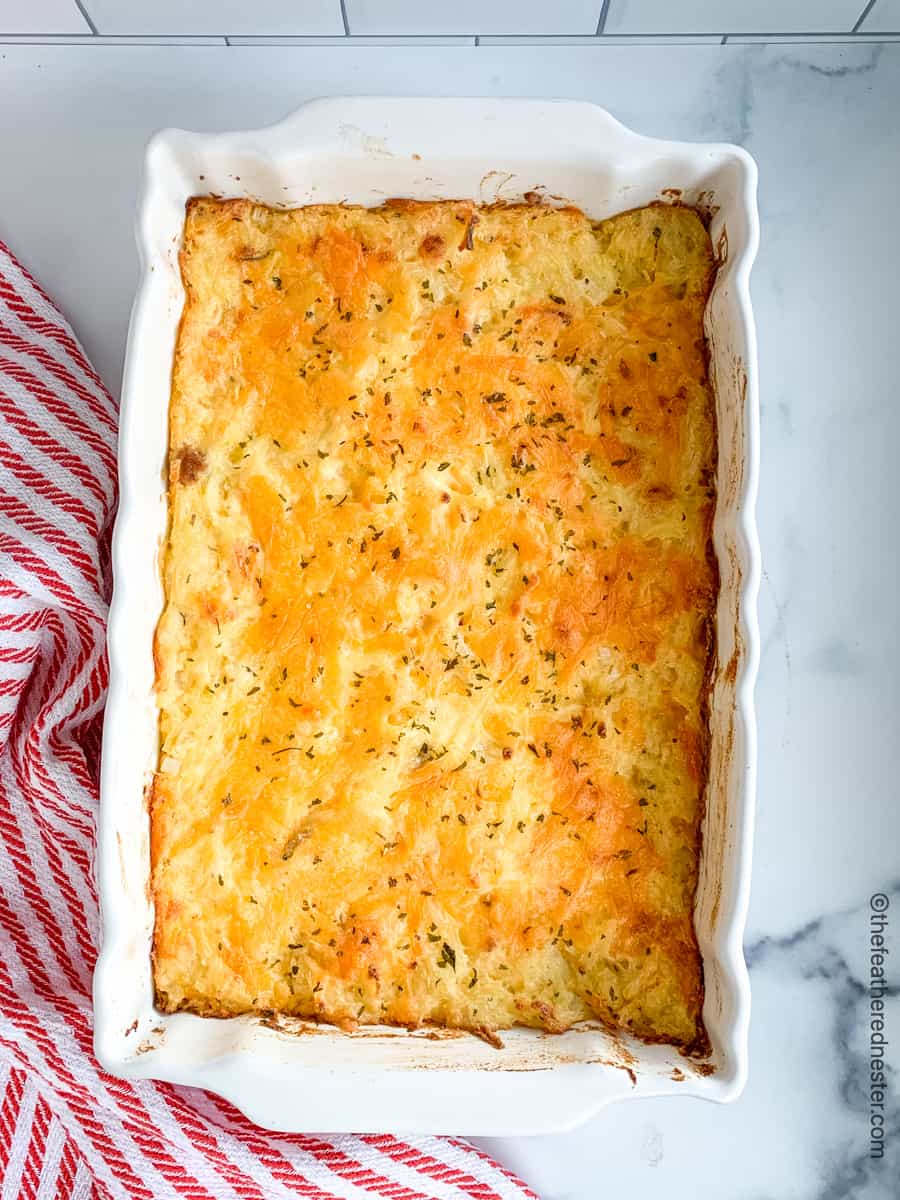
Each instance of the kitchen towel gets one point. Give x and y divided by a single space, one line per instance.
67 1128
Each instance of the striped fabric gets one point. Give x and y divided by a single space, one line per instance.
66 1128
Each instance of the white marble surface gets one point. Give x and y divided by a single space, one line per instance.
822 122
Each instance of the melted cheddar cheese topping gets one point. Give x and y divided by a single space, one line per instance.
439 595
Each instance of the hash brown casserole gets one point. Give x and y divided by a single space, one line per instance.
439 602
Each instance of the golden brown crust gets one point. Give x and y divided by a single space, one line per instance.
439 593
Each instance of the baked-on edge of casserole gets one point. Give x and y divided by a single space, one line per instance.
439 605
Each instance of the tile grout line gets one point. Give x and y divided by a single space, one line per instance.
809 33
862 16
113 39
661 37
675 39
658 39
345 18
79 4
601 20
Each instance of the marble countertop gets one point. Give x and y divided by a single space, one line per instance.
822 122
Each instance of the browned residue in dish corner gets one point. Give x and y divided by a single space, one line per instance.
678 1075
734 467
292 1026
730 673
153 1042
503 176
600 1061
538 1060
717 785
443 1035
132 1028
673 194
734 460
721 787
625 1059
698 1054
556 1059
489 1035
721 248
706 206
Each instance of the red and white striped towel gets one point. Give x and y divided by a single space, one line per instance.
66 1128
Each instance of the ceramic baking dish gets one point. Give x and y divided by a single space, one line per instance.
290 1075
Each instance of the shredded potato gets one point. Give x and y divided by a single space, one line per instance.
439 593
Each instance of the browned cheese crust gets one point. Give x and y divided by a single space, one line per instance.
439 594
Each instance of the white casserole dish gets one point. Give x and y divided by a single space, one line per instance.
299 1077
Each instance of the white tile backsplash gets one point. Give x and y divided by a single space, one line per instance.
317 17
810 39
498 22
563 39
41 16
393 40
884 18
473 16
732 16
91 39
